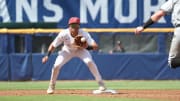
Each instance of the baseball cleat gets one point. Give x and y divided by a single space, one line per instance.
102 88
51 89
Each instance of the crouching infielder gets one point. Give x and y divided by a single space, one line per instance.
76 43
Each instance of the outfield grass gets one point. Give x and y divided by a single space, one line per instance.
39 85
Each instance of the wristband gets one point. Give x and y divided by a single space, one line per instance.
148 23
89 48
48 53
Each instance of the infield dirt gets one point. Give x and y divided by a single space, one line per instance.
165 95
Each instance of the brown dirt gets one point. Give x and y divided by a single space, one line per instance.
164 95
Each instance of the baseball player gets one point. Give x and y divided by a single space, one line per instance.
71 49
173 7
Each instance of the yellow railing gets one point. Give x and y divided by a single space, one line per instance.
34 31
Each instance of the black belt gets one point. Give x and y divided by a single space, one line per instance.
178 25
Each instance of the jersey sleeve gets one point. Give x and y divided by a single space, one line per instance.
58 40
168 6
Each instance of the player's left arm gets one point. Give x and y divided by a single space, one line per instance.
92 45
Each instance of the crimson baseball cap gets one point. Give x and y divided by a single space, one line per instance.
74 20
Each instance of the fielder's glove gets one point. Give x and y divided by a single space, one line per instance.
80 41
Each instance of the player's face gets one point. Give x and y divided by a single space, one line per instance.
74 28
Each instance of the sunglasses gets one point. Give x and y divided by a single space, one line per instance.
74 25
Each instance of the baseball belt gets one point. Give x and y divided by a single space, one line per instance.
178 25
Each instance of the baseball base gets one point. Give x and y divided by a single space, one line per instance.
105 91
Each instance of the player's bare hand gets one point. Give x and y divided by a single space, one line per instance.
138 30
44 59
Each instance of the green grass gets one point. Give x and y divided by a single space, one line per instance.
124 84
66 98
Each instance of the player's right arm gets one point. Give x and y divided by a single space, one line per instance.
166 8
50 50
154 18
58 40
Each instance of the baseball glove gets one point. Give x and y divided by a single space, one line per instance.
80 41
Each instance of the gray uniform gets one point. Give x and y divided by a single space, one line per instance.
173 7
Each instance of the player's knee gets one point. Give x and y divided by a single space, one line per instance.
56 67
87 61
90 63
173 63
